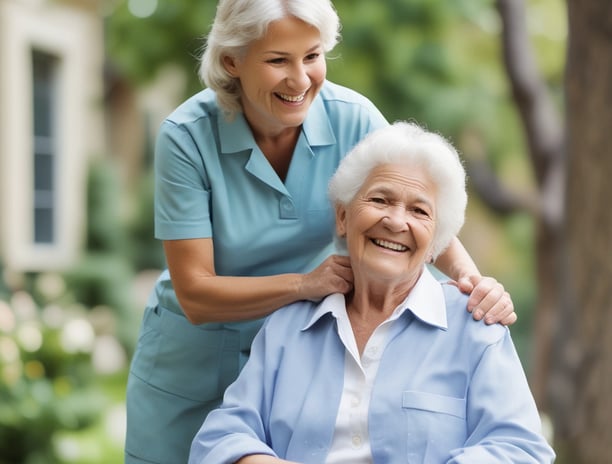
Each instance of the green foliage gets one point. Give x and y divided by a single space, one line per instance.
140 47
46 385
401 50
105 231
146 252
103 279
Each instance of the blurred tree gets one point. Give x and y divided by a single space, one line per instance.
172 34
542 127
582 361
572 378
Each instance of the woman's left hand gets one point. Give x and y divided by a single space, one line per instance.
488 300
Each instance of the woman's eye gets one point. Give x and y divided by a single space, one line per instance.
277 60
378 200
312 56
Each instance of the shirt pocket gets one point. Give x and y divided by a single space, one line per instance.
435 424
193 362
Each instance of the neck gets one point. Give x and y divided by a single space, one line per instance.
278 151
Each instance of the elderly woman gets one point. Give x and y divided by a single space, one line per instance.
395 371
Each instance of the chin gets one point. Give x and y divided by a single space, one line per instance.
294 120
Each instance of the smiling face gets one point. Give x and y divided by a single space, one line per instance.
389 226
280 76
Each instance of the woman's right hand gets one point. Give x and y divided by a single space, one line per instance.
207 297
334 275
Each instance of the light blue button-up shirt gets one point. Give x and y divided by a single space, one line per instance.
448 389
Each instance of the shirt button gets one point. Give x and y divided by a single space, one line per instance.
287 208
356 441
355 401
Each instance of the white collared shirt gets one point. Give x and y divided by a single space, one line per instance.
351 442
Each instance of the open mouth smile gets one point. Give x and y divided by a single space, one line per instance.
389 245
291 98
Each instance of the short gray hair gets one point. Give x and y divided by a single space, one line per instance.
240 22
408 144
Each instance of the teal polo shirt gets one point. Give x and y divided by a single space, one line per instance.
212 180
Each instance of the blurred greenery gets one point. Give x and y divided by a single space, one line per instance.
434 61
49 382
65 340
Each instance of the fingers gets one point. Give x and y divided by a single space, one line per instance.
341 267
465 285
486 292
501 311
490 301
509 320
334 275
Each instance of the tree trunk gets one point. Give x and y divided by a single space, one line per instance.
581 387
544 136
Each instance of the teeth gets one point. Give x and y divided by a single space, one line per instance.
390 245
292 98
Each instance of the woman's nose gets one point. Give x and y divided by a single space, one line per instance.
396 219
298 77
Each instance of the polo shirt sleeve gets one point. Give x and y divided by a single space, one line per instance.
182 192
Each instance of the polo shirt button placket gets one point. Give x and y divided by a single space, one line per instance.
287 209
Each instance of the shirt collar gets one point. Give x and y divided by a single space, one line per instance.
425 300
235 135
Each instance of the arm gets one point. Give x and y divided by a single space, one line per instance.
503 424
488 298
206 297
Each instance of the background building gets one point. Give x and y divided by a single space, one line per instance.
51 123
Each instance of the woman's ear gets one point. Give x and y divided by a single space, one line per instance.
340 220
229 63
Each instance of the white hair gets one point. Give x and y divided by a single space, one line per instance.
240 22
408 144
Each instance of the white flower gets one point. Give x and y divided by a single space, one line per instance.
23 306
29 336
51 285
53 316
9 351
108 355
115 423
77 336
7 318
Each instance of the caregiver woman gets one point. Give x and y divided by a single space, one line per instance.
241 173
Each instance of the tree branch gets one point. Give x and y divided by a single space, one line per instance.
540 118
494 194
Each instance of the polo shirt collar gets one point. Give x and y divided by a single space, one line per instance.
425 301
